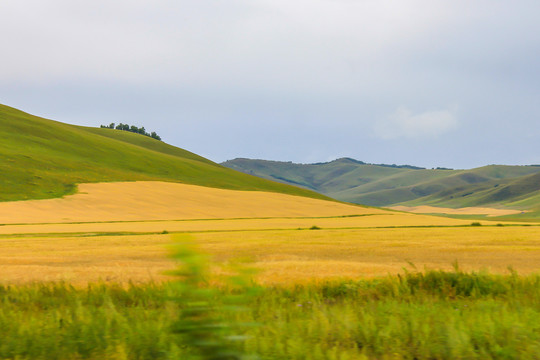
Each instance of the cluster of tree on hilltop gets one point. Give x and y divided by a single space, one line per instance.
132 128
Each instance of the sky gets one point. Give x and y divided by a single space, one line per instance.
449 83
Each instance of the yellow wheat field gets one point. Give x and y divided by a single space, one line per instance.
282 256
425 209
292 256
154 200
110 234
365 221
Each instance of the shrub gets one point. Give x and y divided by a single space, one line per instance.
133 129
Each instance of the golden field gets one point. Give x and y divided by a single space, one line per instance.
364 221
425 209
282 256
109 237
155 200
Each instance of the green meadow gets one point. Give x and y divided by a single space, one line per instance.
429 315
41 158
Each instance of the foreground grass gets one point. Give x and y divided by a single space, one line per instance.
430 315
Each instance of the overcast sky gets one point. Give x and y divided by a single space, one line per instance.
431 83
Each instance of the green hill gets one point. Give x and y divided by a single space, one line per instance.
41 158
515 192
385 185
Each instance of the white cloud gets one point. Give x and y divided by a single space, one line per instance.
405 124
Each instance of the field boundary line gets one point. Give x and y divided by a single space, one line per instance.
135 233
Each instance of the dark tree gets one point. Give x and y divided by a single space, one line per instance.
133 129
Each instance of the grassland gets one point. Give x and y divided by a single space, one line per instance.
431 315
514 187
285 256
119 231
349 241
88 277
150 200
43 159
426 209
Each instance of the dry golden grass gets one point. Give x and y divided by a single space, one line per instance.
424 209
384 220
80 260
283 256
295 256
231 224
153 200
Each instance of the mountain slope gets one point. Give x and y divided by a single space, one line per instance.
513 192
327 177
42 158
384 185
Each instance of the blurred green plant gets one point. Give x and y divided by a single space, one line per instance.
426 314
204 308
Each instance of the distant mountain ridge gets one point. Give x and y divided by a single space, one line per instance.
355 181
354 161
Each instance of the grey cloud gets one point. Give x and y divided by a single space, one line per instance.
219 76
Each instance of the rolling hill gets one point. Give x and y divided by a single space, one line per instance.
387 185
41 158
520 192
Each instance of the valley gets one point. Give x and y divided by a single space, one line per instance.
114 245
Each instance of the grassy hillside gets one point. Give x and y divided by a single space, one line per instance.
521 192
41 158
385 185
328 178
